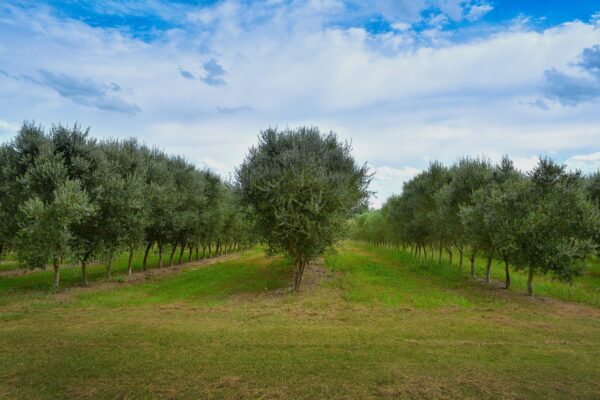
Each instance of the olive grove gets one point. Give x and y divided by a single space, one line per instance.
546 221
65 196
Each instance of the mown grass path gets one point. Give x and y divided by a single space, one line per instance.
365 325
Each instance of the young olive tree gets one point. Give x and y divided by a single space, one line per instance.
302 184
467 176
47 224
559 223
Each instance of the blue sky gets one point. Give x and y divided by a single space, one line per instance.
407 81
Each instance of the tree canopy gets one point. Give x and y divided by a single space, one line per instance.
302 185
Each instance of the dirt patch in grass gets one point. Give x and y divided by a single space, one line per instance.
15 272
315 274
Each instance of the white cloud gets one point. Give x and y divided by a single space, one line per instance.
403 97
584 162
525 164
478 11
216 166
7 130
389 180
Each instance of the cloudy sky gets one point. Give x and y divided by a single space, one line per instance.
408 81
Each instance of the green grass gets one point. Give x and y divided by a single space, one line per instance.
8 263
381 326
70 274
584 289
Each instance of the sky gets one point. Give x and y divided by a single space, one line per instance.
407 81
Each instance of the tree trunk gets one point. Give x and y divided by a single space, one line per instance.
160 255
460 259
191 249
440 255
197 253
129 261
530 282
300 264
473 265
450 255
425 252
209 251
181 253
56 273
172 253
488 268
146 255
506 273
84 277
203 251
109 269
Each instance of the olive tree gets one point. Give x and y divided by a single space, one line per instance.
559 223
303 185
49 215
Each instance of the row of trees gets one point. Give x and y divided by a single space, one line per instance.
65 195
544 221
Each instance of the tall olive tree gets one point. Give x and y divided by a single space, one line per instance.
302 184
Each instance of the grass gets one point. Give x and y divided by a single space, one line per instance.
70 274
380 326
584 289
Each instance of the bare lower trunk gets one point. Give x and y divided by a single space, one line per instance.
197 253
160 256
506 273
129 261
181 254
204 251
488 268
146 255
172 253
109 269
440 255
191 249
84 278
472 265
450 255
209 251
530 282
56 273
460 259
299 267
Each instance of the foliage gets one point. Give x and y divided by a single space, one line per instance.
546 222
302 185
65 196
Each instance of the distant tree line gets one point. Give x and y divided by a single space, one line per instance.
544 221
67 196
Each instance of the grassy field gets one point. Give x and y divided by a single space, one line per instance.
583 289
368 323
